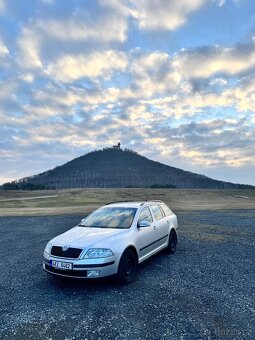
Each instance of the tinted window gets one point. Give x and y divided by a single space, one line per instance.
145 215
166 210
110 217
157 212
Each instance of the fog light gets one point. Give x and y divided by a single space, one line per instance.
93 273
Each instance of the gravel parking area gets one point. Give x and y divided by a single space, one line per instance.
206 290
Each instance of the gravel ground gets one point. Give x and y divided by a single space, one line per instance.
206 290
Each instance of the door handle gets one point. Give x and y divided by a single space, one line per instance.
154 227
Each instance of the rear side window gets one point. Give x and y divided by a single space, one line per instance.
157 212
145 215
166 210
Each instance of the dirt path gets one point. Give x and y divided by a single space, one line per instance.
26 198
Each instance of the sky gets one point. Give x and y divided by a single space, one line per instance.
173 80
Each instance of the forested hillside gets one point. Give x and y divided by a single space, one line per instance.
117 168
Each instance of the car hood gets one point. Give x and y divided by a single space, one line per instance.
83 237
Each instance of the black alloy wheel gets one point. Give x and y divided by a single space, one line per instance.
172 242
127 267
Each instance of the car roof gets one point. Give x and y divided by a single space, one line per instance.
132 204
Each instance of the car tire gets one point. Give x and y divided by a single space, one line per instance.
172 242
127 267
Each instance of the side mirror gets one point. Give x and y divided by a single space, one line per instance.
143 224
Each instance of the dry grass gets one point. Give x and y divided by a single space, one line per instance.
80 201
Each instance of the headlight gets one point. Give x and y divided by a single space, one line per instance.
94 253
48 248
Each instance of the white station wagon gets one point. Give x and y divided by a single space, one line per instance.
113 239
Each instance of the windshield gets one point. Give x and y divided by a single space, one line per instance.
110 217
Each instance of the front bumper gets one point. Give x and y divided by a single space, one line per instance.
83 268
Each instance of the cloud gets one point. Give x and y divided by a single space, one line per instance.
5 59
7 90
27 77
3 49
98 64
244 94
29 44
211 143
162 14
83 30
84 26
2 5
152 73
109 30
207 61
220 3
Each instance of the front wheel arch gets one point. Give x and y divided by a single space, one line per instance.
133 249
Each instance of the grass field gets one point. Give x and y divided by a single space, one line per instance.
80 201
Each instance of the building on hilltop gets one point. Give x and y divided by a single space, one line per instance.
116 146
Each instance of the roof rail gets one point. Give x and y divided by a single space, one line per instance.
158 201
119 202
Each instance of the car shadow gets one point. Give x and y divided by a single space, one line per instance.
62 282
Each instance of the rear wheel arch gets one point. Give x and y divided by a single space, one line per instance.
173 230
172 241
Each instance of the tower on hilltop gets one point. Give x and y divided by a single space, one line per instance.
117 146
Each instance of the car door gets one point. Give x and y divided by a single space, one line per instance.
146 236
170 217
161 225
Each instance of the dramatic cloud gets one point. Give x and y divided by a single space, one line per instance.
77 76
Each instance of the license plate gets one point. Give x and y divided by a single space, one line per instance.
62 265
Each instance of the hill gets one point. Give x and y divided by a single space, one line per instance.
117 168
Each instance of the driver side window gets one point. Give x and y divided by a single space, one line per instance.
145 215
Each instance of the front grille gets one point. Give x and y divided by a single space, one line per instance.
71 253
72 273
